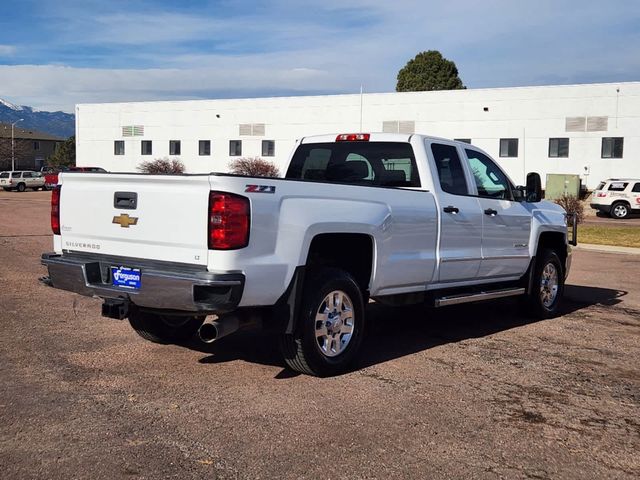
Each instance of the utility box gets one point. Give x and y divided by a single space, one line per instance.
559 184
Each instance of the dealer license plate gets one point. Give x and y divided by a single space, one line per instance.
126 277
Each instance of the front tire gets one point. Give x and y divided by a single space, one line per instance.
620 210
330 326
547 288
164 329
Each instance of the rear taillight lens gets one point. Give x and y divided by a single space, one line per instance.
228 221
55 210
601 194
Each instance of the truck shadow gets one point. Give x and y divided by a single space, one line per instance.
394 332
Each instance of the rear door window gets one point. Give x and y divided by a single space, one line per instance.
380 164
450 170
618 186
16 175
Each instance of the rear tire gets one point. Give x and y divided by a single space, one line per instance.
547 287
620 210
21 187
330 326
164 328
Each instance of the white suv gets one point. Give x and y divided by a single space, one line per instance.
617 197
21 180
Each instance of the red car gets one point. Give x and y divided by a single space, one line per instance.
51 178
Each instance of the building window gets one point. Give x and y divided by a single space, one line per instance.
174 147
463 140
118 147
235 148
268 148
508 147
612 147
558 148
204 147
147 148
36 145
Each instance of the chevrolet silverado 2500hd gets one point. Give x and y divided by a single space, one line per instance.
396 218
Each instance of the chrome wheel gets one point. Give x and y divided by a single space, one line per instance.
620 211
549 285
334 323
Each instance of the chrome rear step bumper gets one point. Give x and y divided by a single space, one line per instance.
164 285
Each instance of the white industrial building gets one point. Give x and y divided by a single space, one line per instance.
589 130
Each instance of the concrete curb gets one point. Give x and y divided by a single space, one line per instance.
608 248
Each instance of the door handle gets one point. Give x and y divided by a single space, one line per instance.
491 211
451 209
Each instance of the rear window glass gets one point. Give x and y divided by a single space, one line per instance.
636 188
600 186
617 186
4 174
381 164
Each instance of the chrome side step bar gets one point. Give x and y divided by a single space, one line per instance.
474 297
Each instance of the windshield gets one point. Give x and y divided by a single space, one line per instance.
382 164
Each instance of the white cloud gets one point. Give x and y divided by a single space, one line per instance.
327 46
7 50
53 87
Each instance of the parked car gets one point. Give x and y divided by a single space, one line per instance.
617 197
21 180
51 178
397 218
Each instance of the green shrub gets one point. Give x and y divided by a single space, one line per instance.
572 205
254 167
161 166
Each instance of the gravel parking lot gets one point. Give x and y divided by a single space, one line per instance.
464 392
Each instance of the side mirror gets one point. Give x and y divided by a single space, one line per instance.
534 187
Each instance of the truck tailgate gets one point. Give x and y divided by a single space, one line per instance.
167 221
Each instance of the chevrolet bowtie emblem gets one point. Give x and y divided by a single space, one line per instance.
124 220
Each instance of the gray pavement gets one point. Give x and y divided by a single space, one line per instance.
477 391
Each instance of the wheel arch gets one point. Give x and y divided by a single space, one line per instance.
555 241
352 252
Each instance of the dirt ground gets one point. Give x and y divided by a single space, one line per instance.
464 392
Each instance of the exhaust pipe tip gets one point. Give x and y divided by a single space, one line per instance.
208 332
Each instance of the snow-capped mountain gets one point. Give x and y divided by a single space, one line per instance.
55 123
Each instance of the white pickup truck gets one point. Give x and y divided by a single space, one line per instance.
394 218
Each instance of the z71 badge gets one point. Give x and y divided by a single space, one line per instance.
260 188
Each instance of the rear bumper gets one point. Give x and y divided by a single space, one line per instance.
601 208
164 285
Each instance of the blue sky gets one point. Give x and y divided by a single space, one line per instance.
54 54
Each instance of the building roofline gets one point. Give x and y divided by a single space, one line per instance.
345 95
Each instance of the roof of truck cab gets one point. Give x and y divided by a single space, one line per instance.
374 137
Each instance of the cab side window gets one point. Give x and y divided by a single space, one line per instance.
489 179
450 171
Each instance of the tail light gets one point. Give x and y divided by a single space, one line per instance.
228 221
55 210
601 194
353 137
